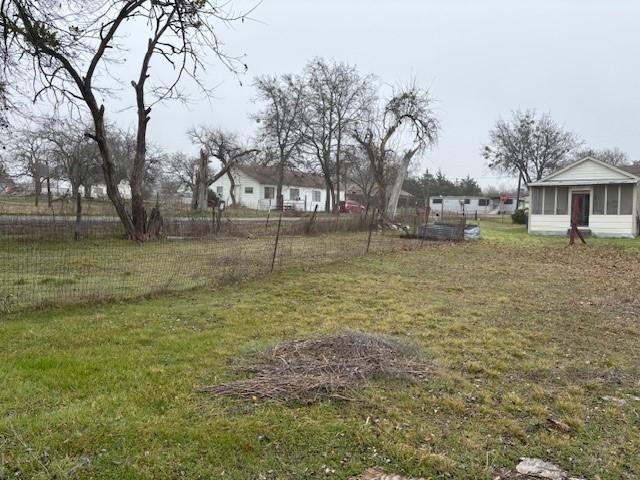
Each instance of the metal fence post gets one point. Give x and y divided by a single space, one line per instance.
370 231
275 247
309 226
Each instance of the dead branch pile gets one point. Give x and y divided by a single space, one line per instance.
324 367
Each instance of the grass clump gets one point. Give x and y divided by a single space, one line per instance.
327 366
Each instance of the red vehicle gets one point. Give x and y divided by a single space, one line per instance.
349 206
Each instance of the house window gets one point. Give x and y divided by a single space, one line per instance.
612 199
626 199
294 194
562 200
508 201
220 191
483 202
549 200
437 200
269 193
248 190
536 200
598 199
316 195
467 201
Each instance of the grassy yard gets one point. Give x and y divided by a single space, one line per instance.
520 331
41 272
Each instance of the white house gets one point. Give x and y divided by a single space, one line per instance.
255 187
604 199
471 204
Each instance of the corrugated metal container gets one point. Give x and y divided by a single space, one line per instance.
442 231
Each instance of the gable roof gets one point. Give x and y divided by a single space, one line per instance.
617 174
632 169
267 175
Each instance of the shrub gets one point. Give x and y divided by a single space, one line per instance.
520 216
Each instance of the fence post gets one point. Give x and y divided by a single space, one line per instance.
266 225
76 232
370 231
275 247
218 219
313 218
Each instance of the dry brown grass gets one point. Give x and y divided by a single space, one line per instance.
325 367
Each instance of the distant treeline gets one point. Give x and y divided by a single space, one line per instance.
429 185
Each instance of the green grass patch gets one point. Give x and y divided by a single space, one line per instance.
519 330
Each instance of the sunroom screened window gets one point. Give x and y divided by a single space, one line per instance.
536 200
626 199
612 199
598 199
549 200
562 202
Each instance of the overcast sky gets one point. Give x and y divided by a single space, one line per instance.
579 60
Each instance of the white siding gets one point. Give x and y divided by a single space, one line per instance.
612 225
587 172
599 225
256 199
549 224
453 204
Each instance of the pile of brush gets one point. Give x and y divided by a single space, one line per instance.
324 367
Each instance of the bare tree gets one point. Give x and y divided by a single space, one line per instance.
358 171
281 128
66 46
30 154
404 127
336 98
226 147
124 155
74 157
611 156
4 110
528 146
183 168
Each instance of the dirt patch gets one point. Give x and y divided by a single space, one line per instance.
324 367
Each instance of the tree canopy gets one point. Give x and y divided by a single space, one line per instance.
429 185
528 145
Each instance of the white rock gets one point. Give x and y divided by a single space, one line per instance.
618 401
539 468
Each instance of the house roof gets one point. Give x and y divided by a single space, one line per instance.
632 169
268 175
626 174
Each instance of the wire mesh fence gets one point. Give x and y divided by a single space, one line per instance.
42 264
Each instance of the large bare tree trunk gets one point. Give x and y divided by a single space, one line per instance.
327 200
138 214
109 169
338 147
202 180
232 187
37 187
394 196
